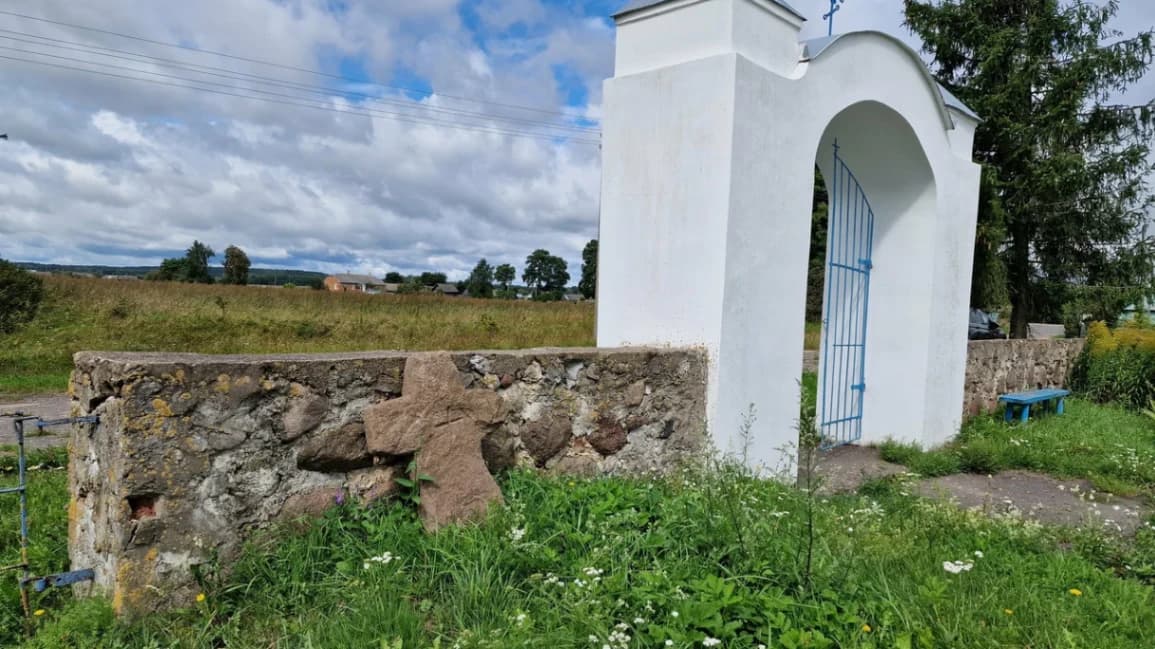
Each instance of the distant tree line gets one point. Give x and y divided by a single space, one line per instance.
545 276
193 267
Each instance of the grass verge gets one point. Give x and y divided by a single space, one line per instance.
680 562
48 527
1110 445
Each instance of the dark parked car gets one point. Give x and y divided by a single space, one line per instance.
983 326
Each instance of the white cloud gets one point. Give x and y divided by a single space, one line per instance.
102 170
110 171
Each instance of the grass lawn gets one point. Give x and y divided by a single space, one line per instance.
714 555
708 554
1107 444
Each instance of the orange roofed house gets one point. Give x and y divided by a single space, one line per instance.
355 283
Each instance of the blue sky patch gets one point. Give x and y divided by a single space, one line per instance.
571 85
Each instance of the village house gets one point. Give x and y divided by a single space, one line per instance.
447 289
355 283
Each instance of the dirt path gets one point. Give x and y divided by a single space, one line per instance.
45 406
1033 495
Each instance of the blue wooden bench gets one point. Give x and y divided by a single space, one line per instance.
1025 400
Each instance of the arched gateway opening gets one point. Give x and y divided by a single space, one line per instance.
714 120
880 206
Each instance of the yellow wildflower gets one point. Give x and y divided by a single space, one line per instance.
866 628
38 612
1076 592
1008 611
200 597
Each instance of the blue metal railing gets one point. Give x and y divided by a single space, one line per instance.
38 584
850 240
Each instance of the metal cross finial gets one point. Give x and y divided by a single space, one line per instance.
835 5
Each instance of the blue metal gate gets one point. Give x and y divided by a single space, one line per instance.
850 236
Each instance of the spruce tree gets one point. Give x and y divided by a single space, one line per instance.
1064 196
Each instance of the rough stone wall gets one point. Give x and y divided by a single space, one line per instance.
193 453
996 367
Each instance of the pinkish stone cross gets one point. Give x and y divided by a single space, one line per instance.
441 422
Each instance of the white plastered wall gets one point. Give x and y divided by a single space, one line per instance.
708 157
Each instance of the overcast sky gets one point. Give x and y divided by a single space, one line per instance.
109 171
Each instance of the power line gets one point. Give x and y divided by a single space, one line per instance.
191 48
197 68
401 117
238 76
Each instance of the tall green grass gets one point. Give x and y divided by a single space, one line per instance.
575 563
48 532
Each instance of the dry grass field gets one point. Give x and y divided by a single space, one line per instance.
109 315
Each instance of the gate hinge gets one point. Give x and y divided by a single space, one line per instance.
861 387
866 263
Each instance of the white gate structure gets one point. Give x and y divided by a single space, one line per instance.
714 121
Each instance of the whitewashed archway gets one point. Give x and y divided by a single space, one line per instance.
714 120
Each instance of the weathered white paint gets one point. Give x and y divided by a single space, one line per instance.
712 129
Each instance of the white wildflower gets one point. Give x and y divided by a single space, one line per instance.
516 534
711 642
979 554
382 559
957 567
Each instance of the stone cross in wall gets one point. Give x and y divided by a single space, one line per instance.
443 424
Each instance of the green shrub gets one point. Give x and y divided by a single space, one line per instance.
21 293
1117 366
1125 375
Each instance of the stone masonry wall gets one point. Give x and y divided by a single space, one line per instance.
193 453
997 367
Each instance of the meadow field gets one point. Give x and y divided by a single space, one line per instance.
109 315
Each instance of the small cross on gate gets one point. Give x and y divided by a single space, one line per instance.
835 5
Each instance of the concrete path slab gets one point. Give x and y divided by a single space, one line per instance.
45 406
1036 496
1073 503
845 469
